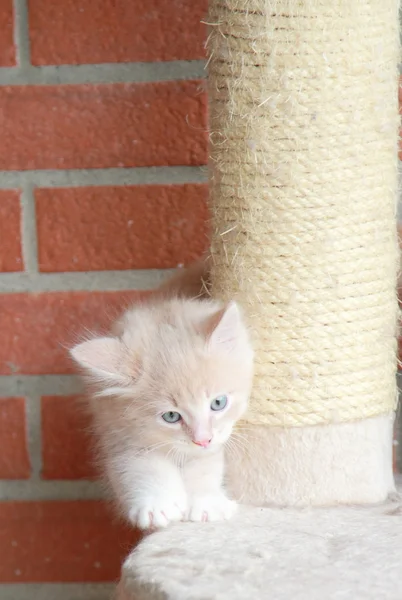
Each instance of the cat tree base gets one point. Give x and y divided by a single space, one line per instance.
302 554
341 463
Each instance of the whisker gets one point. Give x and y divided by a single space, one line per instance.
148 449
231 450
240 443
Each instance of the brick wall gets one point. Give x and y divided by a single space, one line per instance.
102 186
102 143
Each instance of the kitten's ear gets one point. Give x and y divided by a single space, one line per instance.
101 357
224 329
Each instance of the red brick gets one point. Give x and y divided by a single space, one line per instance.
66 443
97 31
37 329
14 460
10 232
61 542
108 125
7 49
143 227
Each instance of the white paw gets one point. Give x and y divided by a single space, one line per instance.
212 508
157 514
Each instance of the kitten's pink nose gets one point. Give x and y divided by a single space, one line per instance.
202 443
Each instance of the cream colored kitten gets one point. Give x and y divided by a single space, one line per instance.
167 388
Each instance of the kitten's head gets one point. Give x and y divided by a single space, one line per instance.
177 374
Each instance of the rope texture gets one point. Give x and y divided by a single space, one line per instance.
303 178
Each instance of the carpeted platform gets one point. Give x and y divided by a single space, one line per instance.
345 553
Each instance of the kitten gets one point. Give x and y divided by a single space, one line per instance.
167 388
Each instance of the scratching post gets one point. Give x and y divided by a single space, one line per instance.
304 122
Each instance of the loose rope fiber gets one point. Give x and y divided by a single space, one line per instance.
303 172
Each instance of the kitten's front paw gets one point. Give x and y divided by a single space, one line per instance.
158 513
212 508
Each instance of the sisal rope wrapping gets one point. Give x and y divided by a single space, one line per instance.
303 145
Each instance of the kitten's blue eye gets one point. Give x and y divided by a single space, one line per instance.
171 417
219 403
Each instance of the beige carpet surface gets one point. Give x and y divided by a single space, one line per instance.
345 553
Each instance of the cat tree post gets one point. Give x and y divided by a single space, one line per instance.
304 123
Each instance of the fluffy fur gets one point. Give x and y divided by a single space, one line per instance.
170 355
